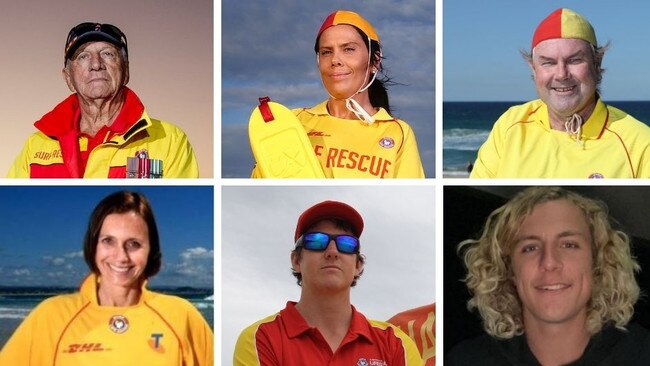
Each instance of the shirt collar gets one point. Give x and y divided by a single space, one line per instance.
592 129
90 285
321 110
297 326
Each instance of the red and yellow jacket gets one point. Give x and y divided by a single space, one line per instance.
58 150
74 330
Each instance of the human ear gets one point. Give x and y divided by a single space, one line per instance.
68 79
295 261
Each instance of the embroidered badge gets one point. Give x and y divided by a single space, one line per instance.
362 362
596 176
118 324
387 142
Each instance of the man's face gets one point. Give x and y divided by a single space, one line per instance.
565 76
329 270
96 71
551 265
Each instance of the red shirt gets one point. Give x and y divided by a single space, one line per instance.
286 339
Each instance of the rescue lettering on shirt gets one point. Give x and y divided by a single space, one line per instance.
85 347
47 155
344 158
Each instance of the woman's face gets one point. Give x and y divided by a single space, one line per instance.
122 250
343 60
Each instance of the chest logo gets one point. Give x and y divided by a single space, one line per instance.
118 324
387 142
596 176
371 362
155 342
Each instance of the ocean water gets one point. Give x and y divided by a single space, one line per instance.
16 303
466 126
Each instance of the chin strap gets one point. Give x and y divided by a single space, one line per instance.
356 108
573 126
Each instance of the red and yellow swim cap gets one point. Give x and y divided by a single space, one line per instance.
564 23
350 18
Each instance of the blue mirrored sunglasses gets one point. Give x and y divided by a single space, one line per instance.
317 241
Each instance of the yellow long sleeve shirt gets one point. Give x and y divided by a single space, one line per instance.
74 330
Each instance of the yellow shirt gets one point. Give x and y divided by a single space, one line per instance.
355 149
74 330
522 144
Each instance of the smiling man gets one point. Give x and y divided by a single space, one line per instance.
569 132
323 328
554 285
102 130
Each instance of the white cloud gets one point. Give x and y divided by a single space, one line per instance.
21 272
197 253
78 254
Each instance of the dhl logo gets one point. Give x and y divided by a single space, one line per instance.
85 347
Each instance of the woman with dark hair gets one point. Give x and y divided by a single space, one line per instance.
353 133
114 319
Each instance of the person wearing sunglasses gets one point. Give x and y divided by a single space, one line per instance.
323 328
102 130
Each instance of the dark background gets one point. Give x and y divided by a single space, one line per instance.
465 212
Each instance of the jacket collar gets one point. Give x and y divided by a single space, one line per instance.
64 118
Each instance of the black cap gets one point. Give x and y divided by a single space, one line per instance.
88 31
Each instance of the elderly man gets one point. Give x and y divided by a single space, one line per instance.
554 284
569 132
323 328
102 130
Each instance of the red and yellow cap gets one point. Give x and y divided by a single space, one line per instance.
564 23
350 18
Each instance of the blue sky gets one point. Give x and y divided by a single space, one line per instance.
482 39
42 228
268 51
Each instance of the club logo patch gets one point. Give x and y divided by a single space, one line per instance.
596 176
387 142
118 324
371 362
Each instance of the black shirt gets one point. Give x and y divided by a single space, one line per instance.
611 346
